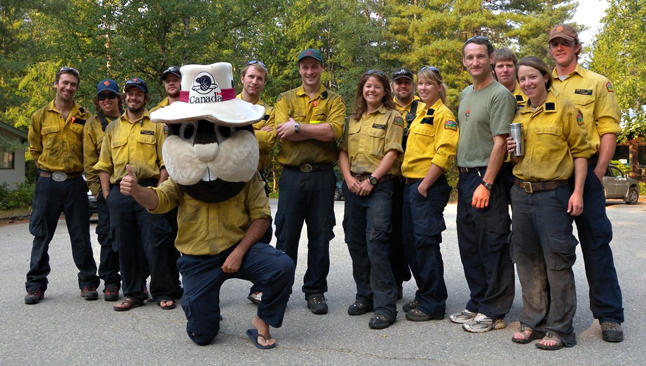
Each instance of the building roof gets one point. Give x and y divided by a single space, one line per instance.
15 131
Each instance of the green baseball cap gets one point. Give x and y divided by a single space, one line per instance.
310 52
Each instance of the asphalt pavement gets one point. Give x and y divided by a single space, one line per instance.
64 329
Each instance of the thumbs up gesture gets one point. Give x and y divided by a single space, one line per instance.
129 182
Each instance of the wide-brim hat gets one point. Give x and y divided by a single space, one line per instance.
208 93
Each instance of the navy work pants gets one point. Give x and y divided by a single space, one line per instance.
595 233
422 227
544 250
309 198
484 250
50 199
398 262
367 229
140 234
109 265
203 277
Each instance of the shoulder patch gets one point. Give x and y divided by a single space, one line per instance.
550 106
165 129
609 87
399 121
450 125
583 91
280 96
579 119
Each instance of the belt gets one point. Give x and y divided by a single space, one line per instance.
308 168
413 180
60 176
469 170
531 187
366 176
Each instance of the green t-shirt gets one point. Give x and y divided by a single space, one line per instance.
483 114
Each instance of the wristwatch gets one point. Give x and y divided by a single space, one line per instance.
487 185
297 127
373 180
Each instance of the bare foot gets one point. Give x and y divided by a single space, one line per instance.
264 338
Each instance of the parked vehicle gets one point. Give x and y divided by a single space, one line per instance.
618 185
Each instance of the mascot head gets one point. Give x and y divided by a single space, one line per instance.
210 150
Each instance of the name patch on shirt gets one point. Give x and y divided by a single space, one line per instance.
519 98
147 132
583 91
381 127
550 106
450 125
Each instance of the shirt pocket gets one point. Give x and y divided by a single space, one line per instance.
50 134
119 151
76 138
377 135
147 149
550 139
421 140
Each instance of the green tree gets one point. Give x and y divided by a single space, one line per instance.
620 54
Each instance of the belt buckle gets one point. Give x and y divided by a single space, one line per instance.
59 176
527 186
306 168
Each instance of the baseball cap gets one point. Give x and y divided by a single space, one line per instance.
107 84
403 73
139 83
563 31
171 70
310 52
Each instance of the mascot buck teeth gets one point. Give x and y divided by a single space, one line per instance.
211 156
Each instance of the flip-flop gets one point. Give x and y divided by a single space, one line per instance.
131 304
550 337
253 335
527 339
167 306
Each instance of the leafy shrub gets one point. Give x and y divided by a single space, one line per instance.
19 197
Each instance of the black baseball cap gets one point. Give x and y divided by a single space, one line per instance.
171 70
403 73
139 83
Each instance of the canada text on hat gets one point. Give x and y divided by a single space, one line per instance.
310 52
563 31
107 84
208 93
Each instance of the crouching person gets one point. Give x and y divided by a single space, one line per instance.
223 210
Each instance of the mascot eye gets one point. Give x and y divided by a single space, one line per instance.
224 131
188 130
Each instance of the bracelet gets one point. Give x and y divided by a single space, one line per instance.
104 190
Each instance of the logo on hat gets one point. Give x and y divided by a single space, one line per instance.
106 83
559 29
204 84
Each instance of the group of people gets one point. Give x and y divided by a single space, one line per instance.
394 152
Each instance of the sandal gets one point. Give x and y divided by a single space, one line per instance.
558 344
127 304
528 335
166 304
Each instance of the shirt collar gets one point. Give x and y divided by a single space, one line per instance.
300 91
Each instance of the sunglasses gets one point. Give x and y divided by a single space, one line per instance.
480 38
65 69
378 72
253 62
432 68
173 69
403 72
110 96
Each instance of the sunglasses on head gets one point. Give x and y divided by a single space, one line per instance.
253 62
106 96
378 72
402 72
65 69
480 38
432 68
